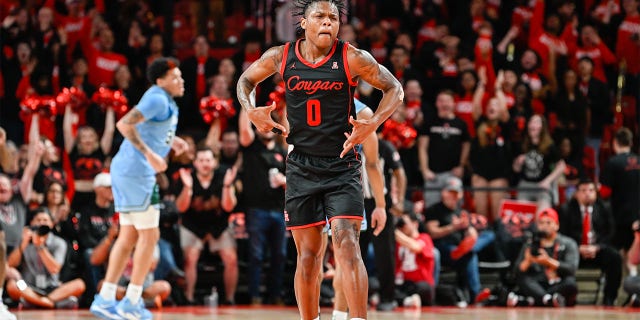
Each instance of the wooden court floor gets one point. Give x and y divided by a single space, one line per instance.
290 313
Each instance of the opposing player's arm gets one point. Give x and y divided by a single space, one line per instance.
268 64
362 65
127 126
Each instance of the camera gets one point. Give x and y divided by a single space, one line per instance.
41 230
536 236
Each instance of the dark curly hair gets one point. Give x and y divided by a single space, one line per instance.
159 68
301 7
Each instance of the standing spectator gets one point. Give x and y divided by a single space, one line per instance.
443 147
490 154
263 165
455 238
548 274
598 106
539 165
4 312
594 48
570 112
13 70
95 220
87 153
414 260
39 259
230 148
400 64
103 61
520 114
13 207
628 44
589 222
205 196
621 179
197 71
544 37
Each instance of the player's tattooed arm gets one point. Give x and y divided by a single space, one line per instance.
127 126
258 71
365 67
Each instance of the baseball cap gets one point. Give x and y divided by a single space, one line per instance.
453 184
103 179
549 213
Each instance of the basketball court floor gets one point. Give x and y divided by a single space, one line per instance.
286 313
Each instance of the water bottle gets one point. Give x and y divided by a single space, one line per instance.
212 300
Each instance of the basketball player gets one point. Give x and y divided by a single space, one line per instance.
323 171
149 129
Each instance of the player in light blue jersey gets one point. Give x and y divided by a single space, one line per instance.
373 171
149 131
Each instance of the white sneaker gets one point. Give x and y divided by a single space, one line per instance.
412 301
5 314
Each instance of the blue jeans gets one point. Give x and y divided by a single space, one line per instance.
467 270
266 227
167 261
93 273
436 266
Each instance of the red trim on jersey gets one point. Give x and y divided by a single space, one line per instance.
345 62
321 62
307 225
360 217
285 53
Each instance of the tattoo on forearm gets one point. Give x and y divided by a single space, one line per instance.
131 119
246 94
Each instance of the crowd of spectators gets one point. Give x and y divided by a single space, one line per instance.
529 99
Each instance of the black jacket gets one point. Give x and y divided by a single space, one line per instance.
602 222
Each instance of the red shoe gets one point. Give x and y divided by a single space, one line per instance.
463 248
483 295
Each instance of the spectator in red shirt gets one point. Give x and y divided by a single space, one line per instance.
103 62
628 45
594 48
415 262
544 39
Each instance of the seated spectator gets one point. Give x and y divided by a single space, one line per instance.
39 259
455 238
415 262
632 283
154 292
547 265
589 222
95 222
539 165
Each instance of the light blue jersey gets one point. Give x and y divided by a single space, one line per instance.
132 176
359 105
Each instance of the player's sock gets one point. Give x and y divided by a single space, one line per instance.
134 293
339 315
358 319
108 291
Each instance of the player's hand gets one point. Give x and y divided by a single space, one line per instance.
3 137
179 146
261 118
157 162
378 220
361 130
187 179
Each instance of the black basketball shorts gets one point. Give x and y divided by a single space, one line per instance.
322 188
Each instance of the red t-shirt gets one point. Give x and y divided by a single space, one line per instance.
627 48
601 55
418 266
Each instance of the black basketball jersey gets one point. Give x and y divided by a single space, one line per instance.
319 100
